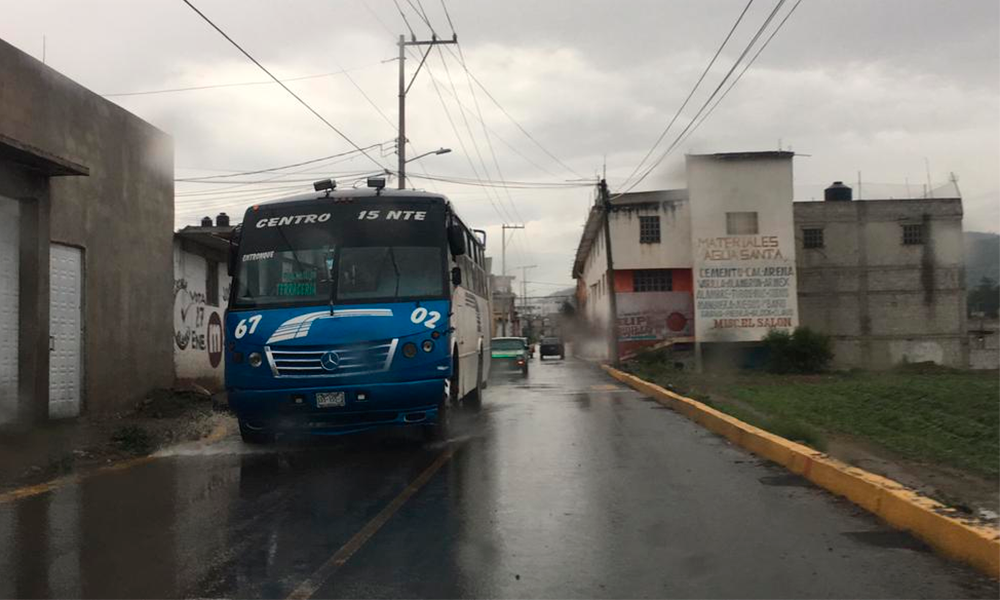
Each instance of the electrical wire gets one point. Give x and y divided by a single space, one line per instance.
238 84
272 169
684 104
704 105
405 20
506 143
745 69
497 184
521 128
472 137
279 82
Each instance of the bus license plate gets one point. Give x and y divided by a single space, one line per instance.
329 399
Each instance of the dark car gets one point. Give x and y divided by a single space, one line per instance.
509 354
551 347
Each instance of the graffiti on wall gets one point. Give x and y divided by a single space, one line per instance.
190 306
197 326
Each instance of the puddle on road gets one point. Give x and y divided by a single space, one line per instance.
786 480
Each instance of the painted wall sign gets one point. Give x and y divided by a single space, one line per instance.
214 336
744 281
646 318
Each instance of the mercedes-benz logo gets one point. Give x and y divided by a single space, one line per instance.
330 361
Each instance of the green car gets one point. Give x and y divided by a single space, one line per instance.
509 354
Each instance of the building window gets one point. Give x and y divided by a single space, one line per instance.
649 230
652 280
212 284
913 234
812 238
741 223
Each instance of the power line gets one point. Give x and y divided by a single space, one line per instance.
684 104
272 169
448 16
745 69
238 84
513 149
472 137
521 128
405 20
704 105
522 185
279 82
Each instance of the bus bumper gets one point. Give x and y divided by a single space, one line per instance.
366 407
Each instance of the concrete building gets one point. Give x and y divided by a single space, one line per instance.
86 198
201 291
653 262
505 321
884 278
984 343
733 257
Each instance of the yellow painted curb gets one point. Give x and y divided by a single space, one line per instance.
934 523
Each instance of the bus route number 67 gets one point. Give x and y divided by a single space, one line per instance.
241 327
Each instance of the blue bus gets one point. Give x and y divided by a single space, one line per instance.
355 310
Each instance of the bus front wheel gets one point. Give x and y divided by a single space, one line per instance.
255 435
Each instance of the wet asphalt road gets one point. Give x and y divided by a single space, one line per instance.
566 485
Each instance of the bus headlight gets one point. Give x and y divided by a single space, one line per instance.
255 359
409 349
427 346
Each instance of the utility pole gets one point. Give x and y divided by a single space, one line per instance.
405 87
524 283
606 204
503 246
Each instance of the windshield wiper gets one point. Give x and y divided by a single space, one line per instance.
395 267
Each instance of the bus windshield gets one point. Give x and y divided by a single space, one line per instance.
309 254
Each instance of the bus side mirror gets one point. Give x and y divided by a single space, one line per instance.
234 250
456 240
456 275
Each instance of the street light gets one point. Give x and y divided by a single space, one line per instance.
438 151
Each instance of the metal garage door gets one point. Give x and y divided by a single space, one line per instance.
10 222
66 329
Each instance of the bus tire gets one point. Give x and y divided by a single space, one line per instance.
255 435
439 430
474 399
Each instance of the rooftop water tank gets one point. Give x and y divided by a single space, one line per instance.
206 221
838 192
223 219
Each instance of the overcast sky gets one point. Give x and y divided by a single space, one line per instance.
892 89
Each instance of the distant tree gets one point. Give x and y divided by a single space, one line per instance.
985 298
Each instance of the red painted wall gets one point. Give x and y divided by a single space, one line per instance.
682 280
623 281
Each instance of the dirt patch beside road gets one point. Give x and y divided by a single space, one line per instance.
162 419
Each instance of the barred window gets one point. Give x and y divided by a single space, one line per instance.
812 238
741 223
913 234
649 230
652 280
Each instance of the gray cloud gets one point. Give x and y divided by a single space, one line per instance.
875 87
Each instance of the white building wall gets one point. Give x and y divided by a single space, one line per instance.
745 284
198 331
674 249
